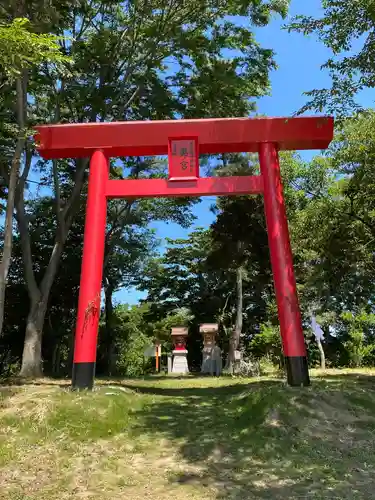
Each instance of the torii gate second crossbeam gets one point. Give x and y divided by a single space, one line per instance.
183 141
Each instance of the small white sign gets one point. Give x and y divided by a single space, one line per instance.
316 328
150 352
237 355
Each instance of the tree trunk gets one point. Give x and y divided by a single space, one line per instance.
32 351
12 186
229 365
239 315
69 370
39 294
56 359
237 330
322 355
8 230
109 337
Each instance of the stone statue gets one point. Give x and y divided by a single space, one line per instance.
211 353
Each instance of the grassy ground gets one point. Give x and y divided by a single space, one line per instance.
190 439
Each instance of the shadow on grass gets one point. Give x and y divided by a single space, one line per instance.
5 394
265 440
257 440
213 393
42 382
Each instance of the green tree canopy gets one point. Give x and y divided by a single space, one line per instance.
347 27
21 49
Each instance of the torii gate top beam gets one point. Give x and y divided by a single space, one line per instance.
215 135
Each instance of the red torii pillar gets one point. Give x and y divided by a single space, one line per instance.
181 139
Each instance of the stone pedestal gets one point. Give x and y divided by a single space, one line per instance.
179 364
211 353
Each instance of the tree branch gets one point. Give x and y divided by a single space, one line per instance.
26 169
81 166
60 218
110 240
23 228
66 221
22 220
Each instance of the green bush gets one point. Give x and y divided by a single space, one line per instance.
267 344
131 361
359 342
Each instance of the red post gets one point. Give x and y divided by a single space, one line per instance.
282 267
91 275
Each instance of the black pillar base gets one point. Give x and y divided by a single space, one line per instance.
297 371
83 376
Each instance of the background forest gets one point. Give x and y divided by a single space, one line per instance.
87 61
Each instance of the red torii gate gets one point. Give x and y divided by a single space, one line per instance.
183 141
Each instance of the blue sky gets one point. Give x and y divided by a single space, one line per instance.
299 59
